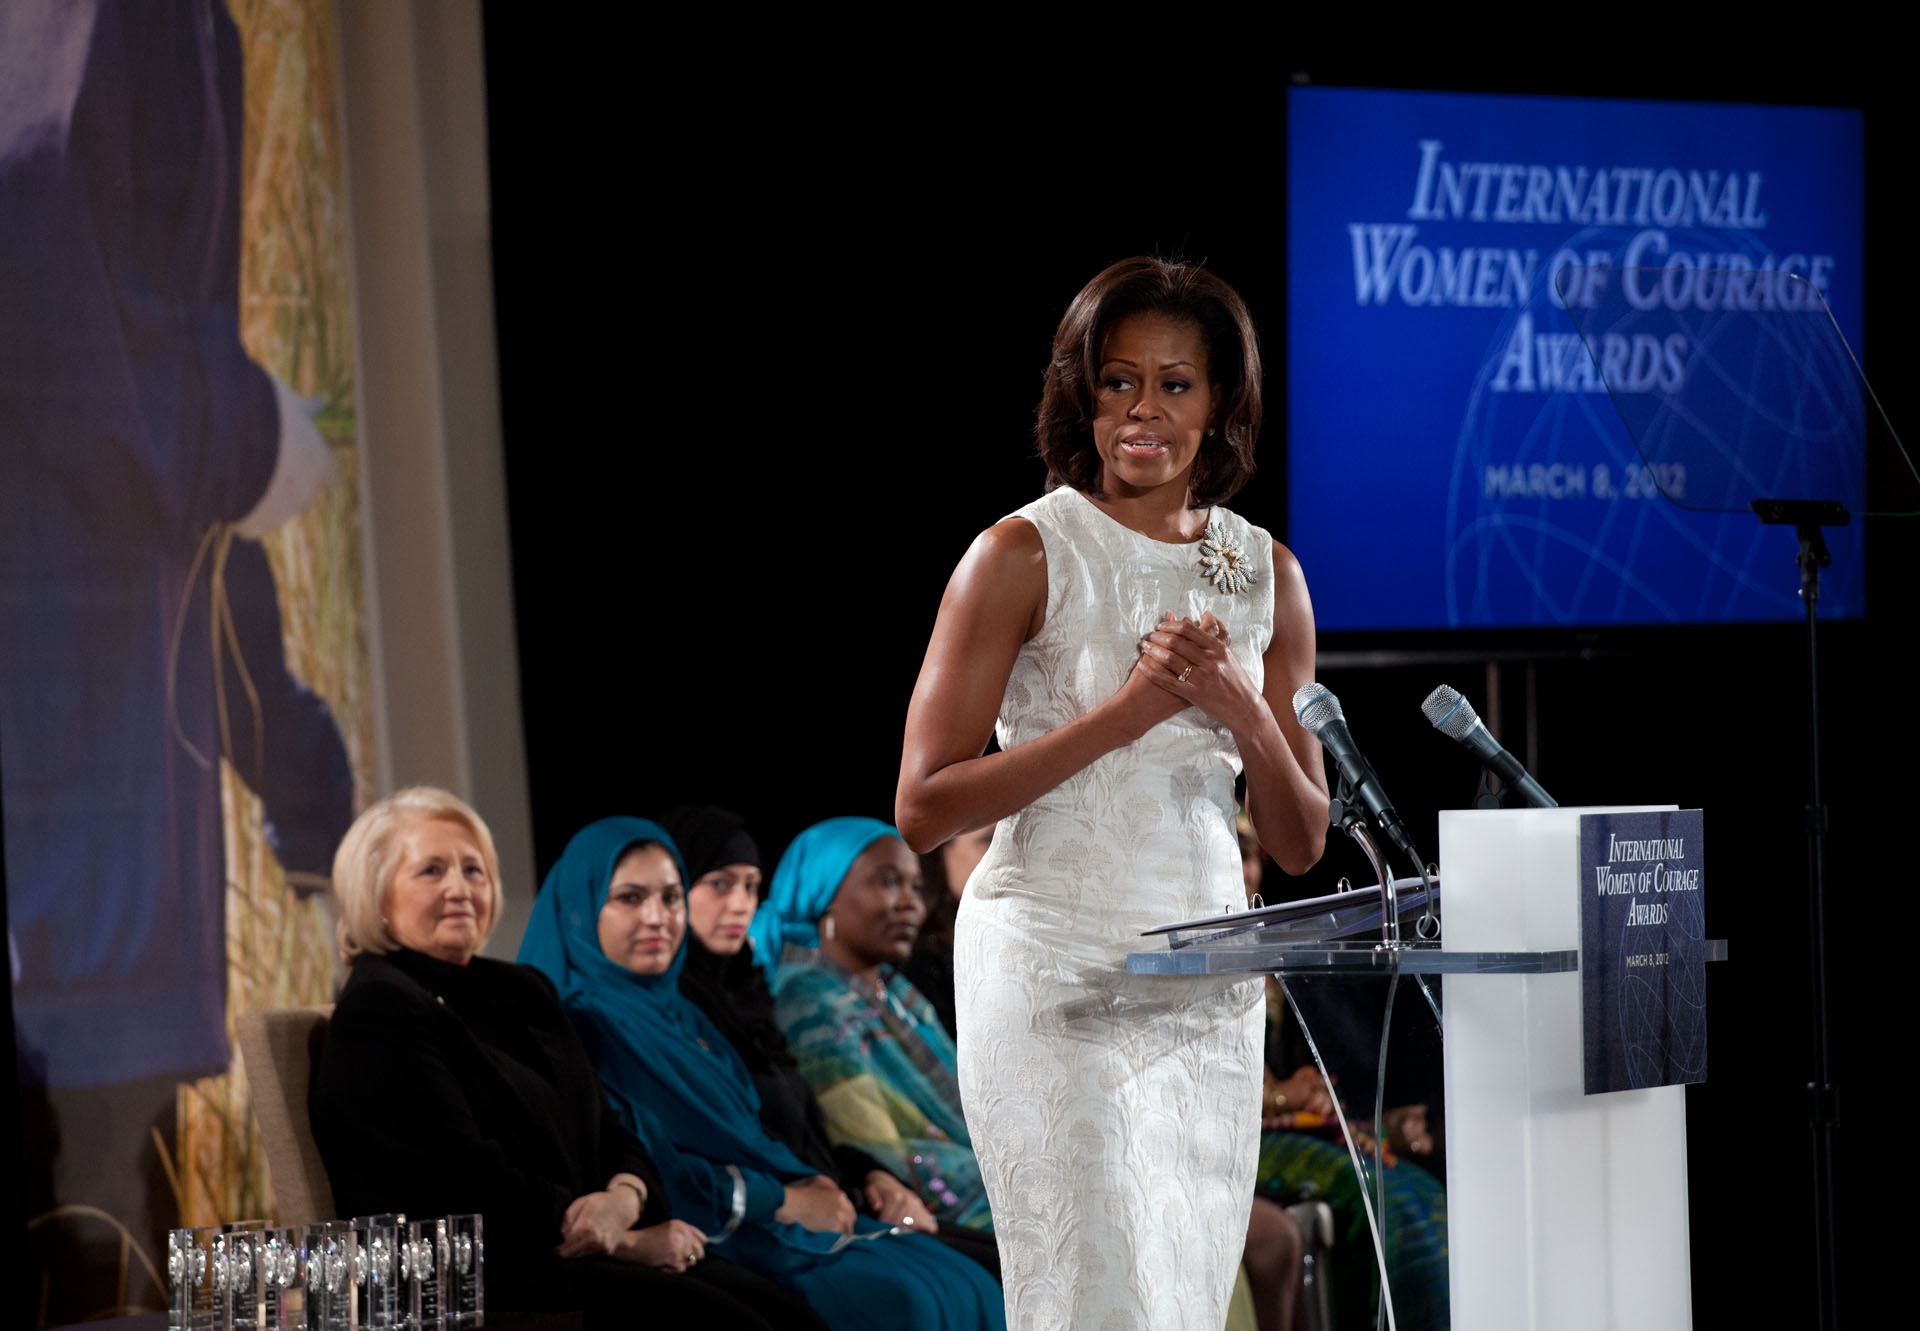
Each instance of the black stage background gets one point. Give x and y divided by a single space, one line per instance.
771 346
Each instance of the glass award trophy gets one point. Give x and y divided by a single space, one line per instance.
238 1267
423 1272
466 1265
328 1251
283 1305
192 1300
376 1288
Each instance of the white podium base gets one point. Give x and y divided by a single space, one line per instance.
1565 1211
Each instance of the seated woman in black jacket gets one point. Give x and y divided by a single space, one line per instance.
451 1084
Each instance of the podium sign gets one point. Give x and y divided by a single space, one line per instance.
1643 998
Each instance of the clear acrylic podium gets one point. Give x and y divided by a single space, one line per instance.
1563 1209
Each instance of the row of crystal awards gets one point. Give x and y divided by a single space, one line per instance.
372 1273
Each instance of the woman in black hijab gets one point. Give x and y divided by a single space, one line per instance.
720 978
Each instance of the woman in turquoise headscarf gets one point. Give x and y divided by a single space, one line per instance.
842 912
609 928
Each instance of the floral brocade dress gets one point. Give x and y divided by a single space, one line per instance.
1115 1117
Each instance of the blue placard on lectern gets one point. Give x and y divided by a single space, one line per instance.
1642 952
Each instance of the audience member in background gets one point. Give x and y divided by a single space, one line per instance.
1298 1155
1273 1264
842 913
723 869
609 928
944 871
452 1084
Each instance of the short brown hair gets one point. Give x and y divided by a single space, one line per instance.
364 866
1186 291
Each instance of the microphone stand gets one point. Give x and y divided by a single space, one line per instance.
1348 815
1807 517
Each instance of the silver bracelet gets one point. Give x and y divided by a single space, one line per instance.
739 1211
638 1195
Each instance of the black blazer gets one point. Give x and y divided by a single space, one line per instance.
445 1089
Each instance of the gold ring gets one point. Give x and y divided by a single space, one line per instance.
1185 673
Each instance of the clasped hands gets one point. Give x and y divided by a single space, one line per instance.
897 1204
599 1224
819 1204
1303 1103
1284 1103
596 1223
1189 664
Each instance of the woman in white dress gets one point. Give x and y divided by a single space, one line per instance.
1137 645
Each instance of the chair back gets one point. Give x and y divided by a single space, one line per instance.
279 1048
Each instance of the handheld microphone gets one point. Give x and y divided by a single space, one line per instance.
1454 717
1319 712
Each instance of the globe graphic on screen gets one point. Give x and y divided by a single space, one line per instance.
1612 438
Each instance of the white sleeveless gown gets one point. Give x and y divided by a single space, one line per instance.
1116 1118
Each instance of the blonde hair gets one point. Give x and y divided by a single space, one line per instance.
369 854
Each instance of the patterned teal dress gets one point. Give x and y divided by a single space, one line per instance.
882 1068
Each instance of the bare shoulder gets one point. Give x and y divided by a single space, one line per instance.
1286 569
1003 576
1292 608
1012 542
1289 581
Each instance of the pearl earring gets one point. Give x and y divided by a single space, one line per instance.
826 929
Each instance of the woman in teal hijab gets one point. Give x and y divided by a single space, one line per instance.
609 928
841 914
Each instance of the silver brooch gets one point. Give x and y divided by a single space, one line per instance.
1223 564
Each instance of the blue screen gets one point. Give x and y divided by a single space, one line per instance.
1454 457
